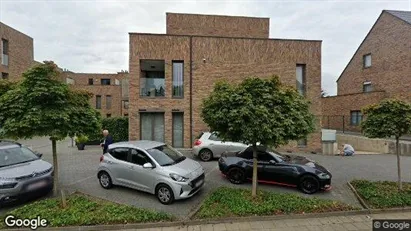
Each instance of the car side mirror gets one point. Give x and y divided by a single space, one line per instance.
148 165
38 154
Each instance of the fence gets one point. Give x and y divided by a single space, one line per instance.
343 123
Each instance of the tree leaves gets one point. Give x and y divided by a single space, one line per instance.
258 111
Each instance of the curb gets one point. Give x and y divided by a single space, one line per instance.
362 202
226 220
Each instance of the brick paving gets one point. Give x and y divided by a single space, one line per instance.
334 223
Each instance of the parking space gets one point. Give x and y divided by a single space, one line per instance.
78 172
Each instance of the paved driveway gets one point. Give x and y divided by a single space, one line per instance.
78 172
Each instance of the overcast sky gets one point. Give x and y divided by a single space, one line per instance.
92 36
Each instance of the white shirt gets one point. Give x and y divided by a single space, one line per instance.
348 147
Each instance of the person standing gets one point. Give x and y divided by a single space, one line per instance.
108 139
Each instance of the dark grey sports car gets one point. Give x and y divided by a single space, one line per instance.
275 168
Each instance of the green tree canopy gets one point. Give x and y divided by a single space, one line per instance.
42 105
258 111
390 118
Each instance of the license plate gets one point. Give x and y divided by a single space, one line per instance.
199 183
37 185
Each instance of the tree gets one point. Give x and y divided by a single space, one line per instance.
389 118
257 111
42 105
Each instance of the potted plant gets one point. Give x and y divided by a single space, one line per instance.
81 141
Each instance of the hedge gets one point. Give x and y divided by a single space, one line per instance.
117 127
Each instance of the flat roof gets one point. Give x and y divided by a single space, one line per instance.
218 15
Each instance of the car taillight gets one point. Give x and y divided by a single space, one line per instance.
197 142
101 158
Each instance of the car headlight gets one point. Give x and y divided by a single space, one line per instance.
7 184
324 176
178 178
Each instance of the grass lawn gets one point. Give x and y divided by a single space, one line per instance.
383 194
230 202
86 210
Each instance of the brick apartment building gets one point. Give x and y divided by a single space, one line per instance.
171 73
379 69
110 91
16 51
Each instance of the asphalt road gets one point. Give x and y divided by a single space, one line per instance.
78 172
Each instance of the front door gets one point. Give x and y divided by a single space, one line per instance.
152 126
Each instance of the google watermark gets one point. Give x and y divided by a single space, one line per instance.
394 224
33 223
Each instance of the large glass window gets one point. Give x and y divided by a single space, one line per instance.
108 101
152 78
178 78
152 126
301 80
178 126
5 52
105 81
356 118
98 101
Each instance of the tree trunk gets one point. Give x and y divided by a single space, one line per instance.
55 165
397 150
254 187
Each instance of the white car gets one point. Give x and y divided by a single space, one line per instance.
208 146
151 167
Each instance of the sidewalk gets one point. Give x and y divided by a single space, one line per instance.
334 223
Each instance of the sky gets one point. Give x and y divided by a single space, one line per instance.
92 36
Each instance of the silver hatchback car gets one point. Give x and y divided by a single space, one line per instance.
22 172
151 167
208 146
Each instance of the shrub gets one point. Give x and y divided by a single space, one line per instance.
117 126
81 139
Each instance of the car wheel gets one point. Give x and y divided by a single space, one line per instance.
206 155
165 194
309 184
236 175
105 180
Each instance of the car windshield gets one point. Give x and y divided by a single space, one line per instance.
16 155
166 155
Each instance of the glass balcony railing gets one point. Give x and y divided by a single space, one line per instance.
152 87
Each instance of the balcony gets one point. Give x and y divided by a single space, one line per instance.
152 78
4 59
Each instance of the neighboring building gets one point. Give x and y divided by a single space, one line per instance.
110 91
379 69
170 74
16 53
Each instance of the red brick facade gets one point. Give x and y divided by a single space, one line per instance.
389 44
115 90
216 58
216 25
20 53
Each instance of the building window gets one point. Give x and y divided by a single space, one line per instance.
126 114
70 81
90 81
302 142
4 75
367 60
367 87
301 80
178 78
108 101
178 129
152 126
108 115
356 118
98 101
152 78
125 104
5 52
105 81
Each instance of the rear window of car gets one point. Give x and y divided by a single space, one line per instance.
199 136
